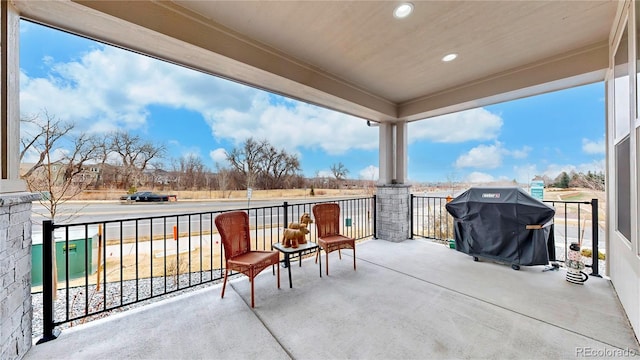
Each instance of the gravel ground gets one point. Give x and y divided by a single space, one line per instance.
116 294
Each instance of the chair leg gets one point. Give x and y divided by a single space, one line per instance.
252 298
224 285
327 257
339 254
278 277
354 258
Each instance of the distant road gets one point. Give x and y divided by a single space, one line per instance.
96 211
99 211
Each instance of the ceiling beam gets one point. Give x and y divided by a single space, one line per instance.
581 67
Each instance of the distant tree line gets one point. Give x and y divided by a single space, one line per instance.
590 180
260 164
68 162
255 164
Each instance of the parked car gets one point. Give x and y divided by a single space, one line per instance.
147 196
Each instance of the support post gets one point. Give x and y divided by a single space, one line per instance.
285 206
594 239
48 247
10 181
411 216
375 217
392 212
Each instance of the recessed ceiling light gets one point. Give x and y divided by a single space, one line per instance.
449 57
403 10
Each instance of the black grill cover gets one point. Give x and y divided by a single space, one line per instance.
492 223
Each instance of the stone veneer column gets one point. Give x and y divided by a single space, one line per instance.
392 212
15 274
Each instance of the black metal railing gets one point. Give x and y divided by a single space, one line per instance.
574 221
106 265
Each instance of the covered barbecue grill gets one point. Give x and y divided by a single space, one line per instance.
503 224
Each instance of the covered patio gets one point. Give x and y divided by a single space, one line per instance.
412 299
408 298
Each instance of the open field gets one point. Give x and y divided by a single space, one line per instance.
578 195
574 194
232 195
571 194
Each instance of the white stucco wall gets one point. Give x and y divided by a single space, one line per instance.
623 253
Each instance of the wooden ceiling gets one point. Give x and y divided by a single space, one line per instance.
355 56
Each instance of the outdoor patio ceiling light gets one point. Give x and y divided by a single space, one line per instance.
449 57
403 10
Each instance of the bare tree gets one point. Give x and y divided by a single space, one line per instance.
277 166
339 171
40 136
134 155
261 164
247 158
590 180
223 176
192 171
63 178
452 180
102 155
158 176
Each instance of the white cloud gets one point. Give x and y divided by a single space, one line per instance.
475 124
369 173
47 60
489 156
481 157
324 174
109 88
596 147
479 177
59 154
31 156
294 125
521 153
219 156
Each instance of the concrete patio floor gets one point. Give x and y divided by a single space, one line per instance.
410 300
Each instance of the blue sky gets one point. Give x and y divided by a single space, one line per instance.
102 88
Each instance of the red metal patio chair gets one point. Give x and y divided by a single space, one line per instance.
327 218
234 231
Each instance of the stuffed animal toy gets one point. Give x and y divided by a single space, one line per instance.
293 237
305 220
